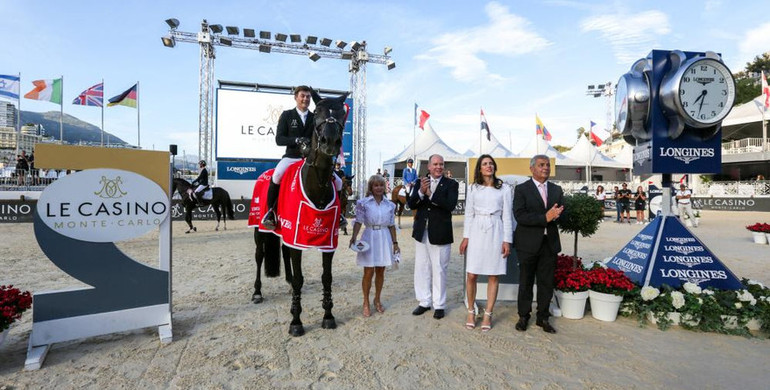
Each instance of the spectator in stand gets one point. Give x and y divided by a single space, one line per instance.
448 174
684 205
22 167
640 204
616 197
600 196
625 202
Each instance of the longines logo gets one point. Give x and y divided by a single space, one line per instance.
241 170
688 261
686 155
680 240
645 237
640 245
641 156
110 188
627 266
683 249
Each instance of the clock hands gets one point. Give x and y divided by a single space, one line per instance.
701 98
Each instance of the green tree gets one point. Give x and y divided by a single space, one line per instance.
580 131
581 215
748 83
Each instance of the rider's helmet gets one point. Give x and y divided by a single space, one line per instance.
409 161
202 163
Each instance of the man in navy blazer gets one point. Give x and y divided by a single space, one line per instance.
433 198
537 204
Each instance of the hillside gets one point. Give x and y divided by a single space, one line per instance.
75 130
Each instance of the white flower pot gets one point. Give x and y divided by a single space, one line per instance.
767 237
3 335
604 307
759 238
572 304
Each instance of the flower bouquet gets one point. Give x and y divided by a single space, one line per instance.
759 227
572 284
13 302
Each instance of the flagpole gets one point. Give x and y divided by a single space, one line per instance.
102 112
61 113
414 135
480 148
138 132
18 117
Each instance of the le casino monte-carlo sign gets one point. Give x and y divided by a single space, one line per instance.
103 205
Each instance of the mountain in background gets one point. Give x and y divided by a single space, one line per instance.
75 130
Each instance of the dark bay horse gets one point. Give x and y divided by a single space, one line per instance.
269 251
220 202
315 176
400 201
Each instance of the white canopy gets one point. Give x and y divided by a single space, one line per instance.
492 147
746 113
585 152
427 144
537 145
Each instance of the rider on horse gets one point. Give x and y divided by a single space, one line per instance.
295 129
202 182
410 176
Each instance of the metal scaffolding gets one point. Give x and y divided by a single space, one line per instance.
313 47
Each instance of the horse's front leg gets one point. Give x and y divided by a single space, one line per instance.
219 216
188 219
327 303
286 254
295 328
259 255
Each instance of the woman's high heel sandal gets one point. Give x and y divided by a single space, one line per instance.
471 325
486 328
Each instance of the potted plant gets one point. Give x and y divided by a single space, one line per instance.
758 230
608 286
572 283
673 306
13 302
581 215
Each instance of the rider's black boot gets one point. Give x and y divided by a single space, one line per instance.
269 221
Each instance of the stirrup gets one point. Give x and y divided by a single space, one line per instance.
471 325
486 328
269 220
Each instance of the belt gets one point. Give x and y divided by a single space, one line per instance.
374 227
487 214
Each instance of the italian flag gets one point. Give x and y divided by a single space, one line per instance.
48 90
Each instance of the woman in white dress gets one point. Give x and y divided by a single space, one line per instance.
377 213
487 235
600 196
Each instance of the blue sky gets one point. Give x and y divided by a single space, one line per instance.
514 59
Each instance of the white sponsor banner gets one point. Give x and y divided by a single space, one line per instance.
247 121
103 205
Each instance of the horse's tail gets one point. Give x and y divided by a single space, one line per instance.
229 204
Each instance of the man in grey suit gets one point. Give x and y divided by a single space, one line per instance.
537 204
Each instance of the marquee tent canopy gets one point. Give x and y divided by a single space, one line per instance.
587 154
537 145
492 147
745 120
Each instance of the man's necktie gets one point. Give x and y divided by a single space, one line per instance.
543 194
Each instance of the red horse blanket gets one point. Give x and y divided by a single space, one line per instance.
300 224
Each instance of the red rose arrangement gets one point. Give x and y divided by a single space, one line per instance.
570 276
610 281
759 227
13 302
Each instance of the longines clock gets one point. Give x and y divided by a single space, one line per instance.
632 103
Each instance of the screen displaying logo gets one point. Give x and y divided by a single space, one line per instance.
103 205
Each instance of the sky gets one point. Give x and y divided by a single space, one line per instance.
514 59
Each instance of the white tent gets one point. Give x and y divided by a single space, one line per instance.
426 144
585 152
537 145
745 120
492 147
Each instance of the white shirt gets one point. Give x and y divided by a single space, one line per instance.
683 193
303 115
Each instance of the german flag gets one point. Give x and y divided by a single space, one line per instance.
127 98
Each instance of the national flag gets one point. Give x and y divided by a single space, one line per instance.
540 129
127 98
48 90
93 96
9 86
683 180
485 125
765 90
420 117
598 141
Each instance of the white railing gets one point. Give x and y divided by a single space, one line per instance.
745 145
734 188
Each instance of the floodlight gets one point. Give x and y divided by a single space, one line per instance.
341 44
168 41
347 55
390 64
215 28
264 35
295 38
249 33
264 48
314 56
172 23
233 30
225 41
387 50
311 40
355 45
281 37
326 42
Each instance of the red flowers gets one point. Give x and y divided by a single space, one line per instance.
13 302
759 227
570 276
610 281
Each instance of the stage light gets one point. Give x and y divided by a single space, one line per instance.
314 56
326 42
387 50
172 23
311 40
390 64
264 48
233 30
264 35
281 37
295 38
341 44
168 41
354 45
225 41
347 55
215 28
249 33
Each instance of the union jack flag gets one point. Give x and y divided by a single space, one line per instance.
93 96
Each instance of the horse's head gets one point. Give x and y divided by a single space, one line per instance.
347 188
329 120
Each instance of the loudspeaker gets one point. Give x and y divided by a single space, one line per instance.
172 149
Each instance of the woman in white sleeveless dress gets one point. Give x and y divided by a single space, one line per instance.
487 235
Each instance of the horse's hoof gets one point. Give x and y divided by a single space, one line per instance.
329 323
216 229
187 232
296 330
256 298
195 229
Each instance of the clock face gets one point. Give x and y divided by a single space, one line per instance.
706 92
